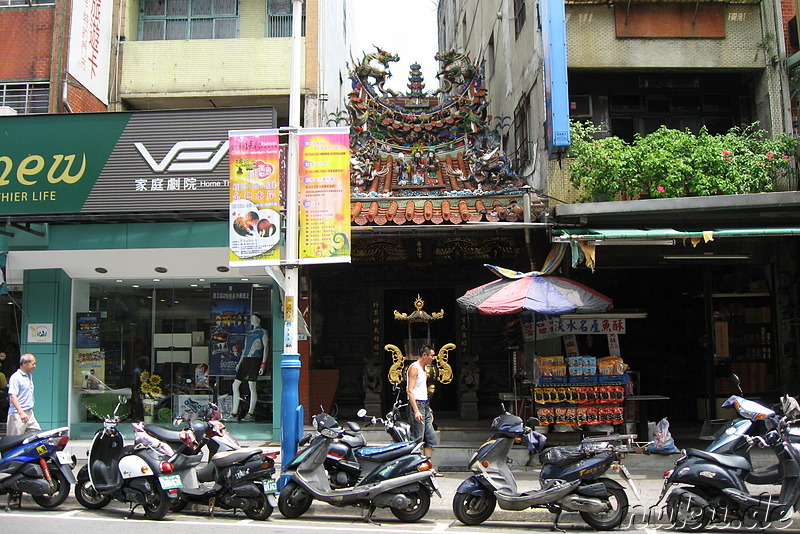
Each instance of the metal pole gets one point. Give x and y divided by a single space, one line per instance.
291 409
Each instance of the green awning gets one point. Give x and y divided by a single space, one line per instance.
636 235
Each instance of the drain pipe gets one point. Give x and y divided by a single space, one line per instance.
64 94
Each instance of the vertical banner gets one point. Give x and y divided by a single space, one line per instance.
89 57
255 198
230 320
324 190
89 366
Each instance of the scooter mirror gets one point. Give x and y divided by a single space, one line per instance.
532 422
737 382
362 412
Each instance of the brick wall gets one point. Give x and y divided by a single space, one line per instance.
82 101
26 41
789 10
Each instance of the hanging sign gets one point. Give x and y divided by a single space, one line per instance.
255 198
545 327
324 189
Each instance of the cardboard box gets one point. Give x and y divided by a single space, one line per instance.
721 346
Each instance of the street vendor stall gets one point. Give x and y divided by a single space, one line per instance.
568 390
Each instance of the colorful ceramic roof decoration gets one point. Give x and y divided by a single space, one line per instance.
427 157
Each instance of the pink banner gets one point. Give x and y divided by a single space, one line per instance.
255 220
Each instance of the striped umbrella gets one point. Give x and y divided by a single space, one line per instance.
516 291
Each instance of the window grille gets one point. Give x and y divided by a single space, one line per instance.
167 20
26 3
279 18
519 16
26 98
521 156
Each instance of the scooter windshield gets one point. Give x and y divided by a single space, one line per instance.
748 409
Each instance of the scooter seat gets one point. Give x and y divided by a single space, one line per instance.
164 434
389 452
560 456
9 442
224 459
726 460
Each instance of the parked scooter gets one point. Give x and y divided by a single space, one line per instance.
397 476
36 463
138 474
571 480
234 476
712 486
342 464
733 439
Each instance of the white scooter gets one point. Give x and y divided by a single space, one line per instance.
139 474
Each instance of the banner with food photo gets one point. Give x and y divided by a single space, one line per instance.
255 198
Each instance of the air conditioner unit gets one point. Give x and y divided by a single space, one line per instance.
580 106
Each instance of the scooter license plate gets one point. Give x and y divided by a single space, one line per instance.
63 458
270 485
170 481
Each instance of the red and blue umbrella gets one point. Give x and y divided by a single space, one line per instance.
516 291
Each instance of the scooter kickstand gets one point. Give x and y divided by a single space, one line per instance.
14 499
368 516
555 527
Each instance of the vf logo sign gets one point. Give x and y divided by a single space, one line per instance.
187 156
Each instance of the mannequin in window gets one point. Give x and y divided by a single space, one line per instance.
251 365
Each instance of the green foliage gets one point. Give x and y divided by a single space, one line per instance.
677 163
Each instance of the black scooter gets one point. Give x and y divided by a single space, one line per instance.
341 462
571 478
137 474
234 477
397 476
712 486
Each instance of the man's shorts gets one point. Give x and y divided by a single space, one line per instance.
423 428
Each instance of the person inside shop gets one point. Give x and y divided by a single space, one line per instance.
20 394
137 400
251 365
3 385
420 416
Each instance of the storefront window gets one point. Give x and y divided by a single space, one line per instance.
171 347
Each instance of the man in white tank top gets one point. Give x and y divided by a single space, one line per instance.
419 412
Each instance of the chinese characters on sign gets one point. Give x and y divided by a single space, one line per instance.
255 198
90 45
324 216
547 327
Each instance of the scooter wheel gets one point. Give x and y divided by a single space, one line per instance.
420 504
260 508
88 496
294 500
612 518
59 495
473 509
686 515
178 504
158 505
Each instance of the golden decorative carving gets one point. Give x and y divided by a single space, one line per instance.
396 370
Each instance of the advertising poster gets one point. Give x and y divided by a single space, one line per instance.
324 191
89 359
230 320
255 198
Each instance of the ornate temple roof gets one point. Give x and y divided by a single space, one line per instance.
428 157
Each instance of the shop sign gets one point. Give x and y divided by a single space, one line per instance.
548 327
118 163
40 332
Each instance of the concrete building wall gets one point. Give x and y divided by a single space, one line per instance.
486 30
592 42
